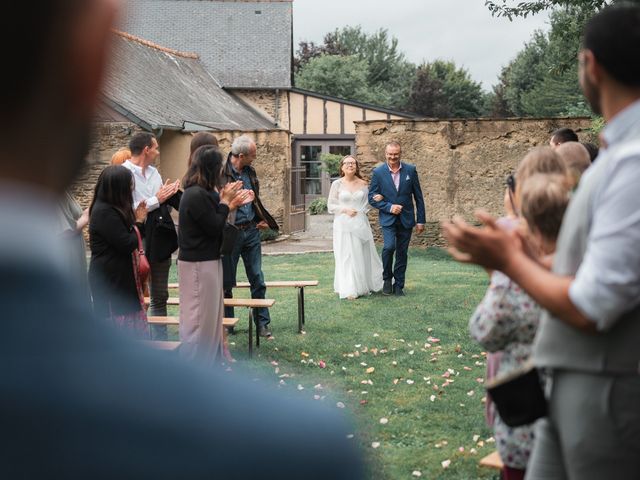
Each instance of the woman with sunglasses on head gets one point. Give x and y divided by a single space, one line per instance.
358 268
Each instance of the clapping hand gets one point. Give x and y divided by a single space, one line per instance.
167 190
243 197
141 212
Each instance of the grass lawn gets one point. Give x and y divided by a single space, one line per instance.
403 367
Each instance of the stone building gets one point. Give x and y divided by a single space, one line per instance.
247 47
171 94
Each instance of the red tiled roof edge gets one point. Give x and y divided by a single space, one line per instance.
155 46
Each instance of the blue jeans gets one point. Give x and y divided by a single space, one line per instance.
248 247
396 240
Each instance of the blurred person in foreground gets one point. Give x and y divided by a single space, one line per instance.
588 339
79 400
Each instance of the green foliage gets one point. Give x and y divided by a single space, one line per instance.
318 206
442 90
267 235
505 8
542 80
331 163
376 73
344 77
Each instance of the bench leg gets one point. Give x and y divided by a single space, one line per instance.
300 309
257 329
250 333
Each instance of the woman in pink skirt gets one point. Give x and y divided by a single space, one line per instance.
204 208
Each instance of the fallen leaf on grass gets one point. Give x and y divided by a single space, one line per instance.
304 354
370 370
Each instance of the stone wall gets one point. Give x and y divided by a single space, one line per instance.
462 163
108 138
272 162
265 102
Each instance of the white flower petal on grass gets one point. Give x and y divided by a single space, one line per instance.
350 436
384 421
410 382
300 387
432 398
411 352
476 438
340 405
375 444
376 335
416 473
446 463
471 393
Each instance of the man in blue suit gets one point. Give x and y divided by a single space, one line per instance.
393 184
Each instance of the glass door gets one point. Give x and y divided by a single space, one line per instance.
307 155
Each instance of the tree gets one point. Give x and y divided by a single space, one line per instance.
504 8
441 90
388 73
542 80
344 77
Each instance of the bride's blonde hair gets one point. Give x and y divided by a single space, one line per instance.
358 174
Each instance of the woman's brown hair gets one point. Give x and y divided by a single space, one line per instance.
358 174
205 169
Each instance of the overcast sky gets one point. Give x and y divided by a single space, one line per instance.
460 30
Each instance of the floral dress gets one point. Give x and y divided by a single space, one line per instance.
506 320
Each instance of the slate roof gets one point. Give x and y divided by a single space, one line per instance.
244 44
156 87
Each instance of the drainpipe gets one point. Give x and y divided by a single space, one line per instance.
277 105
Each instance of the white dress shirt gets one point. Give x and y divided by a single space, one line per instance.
147 185
607 283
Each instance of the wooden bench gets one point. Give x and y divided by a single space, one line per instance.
226 322
162 345
298 284
250 303
492 460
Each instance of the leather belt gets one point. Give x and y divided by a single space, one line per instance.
245 226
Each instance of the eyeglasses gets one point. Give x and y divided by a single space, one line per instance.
347 164
511 183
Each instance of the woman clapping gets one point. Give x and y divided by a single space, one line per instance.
204 208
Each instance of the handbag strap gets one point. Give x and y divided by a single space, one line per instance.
140 247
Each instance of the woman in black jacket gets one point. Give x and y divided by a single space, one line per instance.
204 208
113 276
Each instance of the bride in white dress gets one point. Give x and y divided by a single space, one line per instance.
358 266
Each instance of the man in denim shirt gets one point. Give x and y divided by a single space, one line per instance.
249 219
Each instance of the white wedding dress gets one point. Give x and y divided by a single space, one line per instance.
358 266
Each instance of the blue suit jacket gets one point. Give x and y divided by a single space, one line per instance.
382 183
